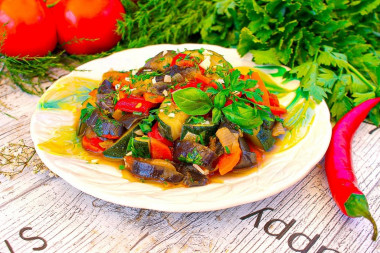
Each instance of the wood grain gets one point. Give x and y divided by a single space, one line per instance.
72 221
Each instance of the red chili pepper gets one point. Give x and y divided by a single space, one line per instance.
156 135
341 178
134 104
92 144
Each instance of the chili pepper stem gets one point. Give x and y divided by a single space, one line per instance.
357 206
370 218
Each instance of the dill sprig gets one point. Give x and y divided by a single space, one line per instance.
163 21
15 157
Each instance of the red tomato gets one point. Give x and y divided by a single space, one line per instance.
87 26
28 28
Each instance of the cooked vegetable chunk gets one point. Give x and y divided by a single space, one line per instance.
192 177
192 152
156 169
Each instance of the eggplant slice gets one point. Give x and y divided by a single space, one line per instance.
248 159
192 177
102 125
158 62
185 148
128 119
156 169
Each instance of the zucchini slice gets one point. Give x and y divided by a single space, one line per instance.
170 120
141 147
262 138
204 130
119 149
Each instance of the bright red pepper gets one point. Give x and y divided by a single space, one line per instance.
92 144
180 60
177 58
134 104
338 165
159 150
156 135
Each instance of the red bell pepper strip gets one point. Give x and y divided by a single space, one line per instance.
156 135
92 144
273 100
276 110
340 175
159 150
134 104
179 60
179 57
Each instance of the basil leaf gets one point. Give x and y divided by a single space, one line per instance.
245 117
192 101
216 115
220 100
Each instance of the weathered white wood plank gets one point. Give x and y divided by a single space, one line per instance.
71 221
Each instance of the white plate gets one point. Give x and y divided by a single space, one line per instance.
281 171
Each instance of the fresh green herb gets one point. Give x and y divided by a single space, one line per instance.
196 102
201 50
193 157
227 150
331 46
220 100
195 120
147 123
86 112
192 101
121 167
166 66
137 113
201 138
136 152
216 115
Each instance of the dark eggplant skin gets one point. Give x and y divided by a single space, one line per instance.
108 126
91 121
145 169
158 62
248 159
185 147
105 102
128 119
105 88
192 177
105 97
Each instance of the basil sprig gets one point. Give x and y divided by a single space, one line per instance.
243 112
192 101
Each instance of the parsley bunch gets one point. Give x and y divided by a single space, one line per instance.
331 46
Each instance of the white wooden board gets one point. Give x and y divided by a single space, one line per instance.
40 213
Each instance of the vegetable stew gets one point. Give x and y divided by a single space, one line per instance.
182 118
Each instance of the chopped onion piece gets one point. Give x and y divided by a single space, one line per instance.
278 129
199 169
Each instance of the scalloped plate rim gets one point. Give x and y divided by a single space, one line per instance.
196 206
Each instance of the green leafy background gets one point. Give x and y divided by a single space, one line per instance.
331 46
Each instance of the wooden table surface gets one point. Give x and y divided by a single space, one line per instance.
46 214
